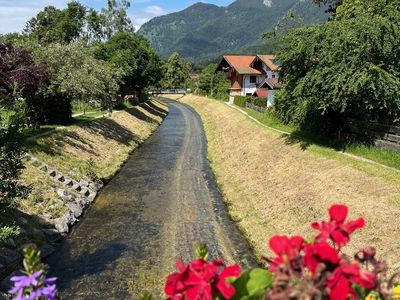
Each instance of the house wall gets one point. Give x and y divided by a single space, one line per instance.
269 72
271 97
250 88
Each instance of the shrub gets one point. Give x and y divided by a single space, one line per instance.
7 232
241 100
259 101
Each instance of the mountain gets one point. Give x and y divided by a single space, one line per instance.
205 30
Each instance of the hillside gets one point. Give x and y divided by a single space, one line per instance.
205 30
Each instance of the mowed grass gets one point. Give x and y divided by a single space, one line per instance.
274 186
389 158
89 150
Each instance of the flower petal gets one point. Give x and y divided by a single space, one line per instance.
338 213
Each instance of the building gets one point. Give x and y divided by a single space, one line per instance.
256 75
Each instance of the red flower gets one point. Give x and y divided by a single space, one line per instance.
339 283
286 248
320 253
199 279
336 229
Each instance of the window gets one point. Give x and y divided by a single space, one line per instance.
273 75
253 79
249 94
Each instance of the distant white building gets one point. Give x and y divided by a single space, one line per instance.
256 75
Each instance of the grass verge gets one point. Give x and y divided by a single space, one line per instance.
389 158
275 186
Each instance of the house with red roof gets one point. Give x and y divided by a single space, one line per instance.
251 75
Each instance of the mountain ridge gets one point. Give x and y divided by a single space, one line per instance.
205 30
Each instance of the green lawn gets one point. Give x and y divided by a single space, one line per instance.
389 158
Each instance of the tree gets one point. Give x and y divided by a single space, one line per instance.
12 118
213 84
348 67
116 18
77 75
332 5
132 55
177 71
53 25
18 71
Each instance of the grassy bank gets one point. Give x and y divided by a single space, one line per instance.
274 185
389 158
87 150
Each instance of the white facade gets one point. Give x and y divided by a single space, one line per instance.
248 87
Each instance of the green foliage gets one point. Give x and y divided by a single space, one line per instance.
344 68
77 75
32 261
131 54
176 72
252 284
205 31
11 153
212 84
202 252
76 21
53 25
8 232
257 101
241 100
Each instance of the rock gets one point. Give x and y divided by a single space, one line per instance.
52 235
47 250
83 183
3 296
3 271
10 243
67 197
76 209
92 196
60 202
38 234
61 225
6 284
9 257
22 221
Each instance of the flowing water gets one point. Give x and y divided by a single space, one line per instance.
159 207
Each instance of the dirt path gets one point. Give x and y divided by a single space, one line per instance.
160 207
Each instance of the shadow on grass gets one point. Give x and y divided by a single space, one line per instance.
305 139
134 111
152 109
158 108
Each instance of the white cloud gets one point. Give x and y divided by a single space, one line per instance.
155 10
15 14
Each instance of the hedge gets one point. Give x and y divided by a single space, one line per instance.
258 101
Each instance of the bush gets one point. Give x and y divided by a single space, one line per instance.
241 100
8 232
259 101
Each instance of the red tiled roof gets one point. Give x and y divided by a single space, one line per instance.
269 61
262 93
242 64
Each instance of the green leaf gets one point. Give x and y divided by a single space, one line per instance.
202 252
252 284
259 280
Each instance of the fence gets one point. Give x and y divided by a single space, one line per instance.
169 91
382 136
255 107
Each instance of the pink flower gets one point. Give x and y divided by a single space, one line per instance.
200 279
286 248
336 229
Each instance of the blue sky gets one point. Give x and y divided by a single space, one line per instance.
15 13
